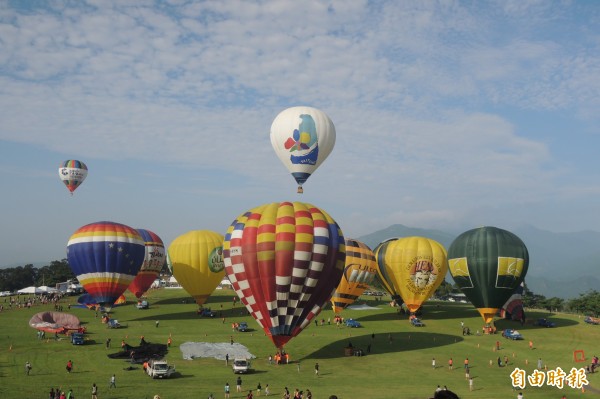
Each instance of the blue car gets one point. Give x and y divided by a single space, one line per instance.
243 326
352 323
509 333
545 323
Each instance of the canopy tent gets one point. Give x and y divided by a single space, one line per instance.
30 290
46 289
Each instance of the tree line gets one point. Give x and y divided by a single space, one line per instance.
16 278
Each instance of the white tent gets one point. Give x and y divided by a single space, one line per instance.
30 290
46 289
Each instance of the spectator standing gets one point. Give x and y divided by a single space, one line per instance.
27 367
227 389
433 363
69 366
94 391
113 382
317 369
227 359
238 384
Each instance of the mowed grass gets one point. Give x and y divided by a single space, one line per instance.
400 368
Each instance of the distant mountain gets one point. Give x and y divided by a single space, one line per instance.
561 265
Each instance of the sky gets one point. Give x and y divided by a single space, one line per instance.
448 114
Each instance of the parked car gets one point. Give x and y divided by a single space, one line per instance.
416 322
352 323
206 312
243 326
77 338
159 369
113 323
592 320
241 366
509 333
143 305
545 323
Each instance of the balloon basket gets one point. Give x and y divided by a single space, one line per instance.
300 190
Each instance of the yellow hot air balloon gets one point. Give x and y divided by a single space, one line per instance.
359 272
413 267
197 261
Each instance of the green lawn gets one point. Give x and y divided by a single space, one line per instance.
397 369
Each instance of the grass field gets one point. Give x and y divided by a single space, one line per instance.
400 368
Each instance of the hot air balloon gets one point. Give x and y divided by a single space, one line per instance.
105 257
72 173
488 264
412 267
359 272
197 261
513 309
284 261
302 138
154 260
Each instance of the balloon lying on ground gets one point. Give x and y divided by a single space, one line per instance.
412 267
302 138
488 264
284 261
197 261
359 272
105 257
154 260
72 173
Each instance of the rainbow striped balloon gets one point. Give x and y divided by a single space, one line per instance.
284 261
105 257
72 173
154 260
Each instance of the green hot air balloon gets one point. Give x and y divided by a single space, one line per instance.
488 264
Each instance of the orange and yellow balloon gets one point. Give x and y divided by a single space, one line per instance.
359 272
413 267
197 261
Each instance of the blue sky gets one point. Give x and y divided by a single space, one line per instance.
449 114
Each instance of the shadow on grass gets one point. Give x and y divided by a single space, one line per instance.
400 342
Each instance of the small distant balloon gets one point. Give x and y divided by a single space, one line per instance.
302 138
72 173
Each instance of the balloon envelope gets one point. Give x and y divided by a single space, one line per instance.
302 138
359 272
105 257
412 267
197 262
72 173
488 264
154 260
284 261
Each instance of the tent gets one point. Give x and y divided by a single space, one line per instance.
30 290
47 290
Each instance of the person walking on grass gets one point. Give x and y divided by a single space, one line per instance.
317 369
113 382
27 367
227 389
94 391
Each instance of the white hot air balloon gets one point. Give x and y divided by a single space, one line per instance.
302 138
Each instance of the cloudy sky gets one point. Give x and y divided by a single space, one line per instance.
449 114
